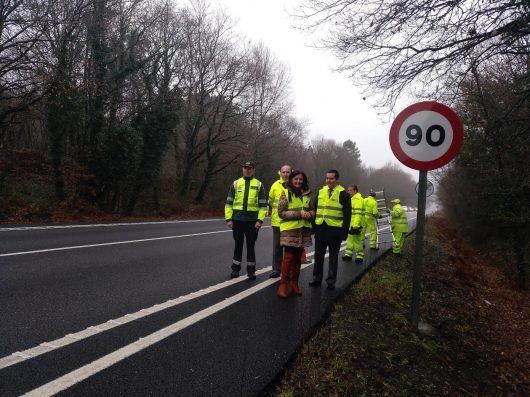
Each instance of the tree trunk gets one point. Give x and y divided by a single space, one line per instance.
212 162
519 247
133 200
57 155
156 198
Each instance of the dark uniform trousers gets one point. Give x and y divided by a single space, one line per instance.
327 237
245 230
277 249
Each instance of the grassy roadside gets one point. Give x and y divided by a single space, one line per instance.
367 348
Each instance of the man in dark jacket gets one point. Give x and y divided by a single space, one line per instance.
332 221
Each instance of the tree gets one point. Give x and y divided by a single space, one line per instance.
209 41
394 45
63 102
20 36
486 190
396 182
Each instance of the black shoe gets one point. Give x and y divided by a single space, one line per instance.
346 258
274 274
251 271
358 260
234 274
331 287
315 283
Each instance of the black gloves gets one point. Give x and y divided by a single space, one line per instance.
355 230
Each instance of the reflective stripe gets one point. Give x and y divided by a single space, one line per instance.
291 220
323 207
296 204
329 207
338 218
295 209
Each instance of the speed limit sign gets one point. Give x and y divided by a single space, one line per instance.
426 135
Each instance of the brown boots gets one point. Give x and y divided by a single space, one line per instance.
290 267
286 269
295 273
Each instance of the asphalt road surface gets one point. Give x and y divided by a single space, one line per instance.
148 309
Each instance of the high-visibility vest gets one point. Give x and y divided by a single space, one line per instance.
370 209
329 208
274 195
295 204
399 221
357 211
253 203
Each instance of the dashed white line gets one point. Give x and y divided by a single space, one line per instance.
74 377
114 243
25 228
46 347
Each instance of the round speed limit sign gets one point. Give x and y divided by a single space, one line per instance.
426 135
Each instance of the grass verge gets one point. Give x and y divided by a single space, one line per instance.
479 346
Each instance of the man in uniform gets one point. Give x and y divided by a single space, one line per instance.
399 225
332 221
274 194
245 210
371 214
355 239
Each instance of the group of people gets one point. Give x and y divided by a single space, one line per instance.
333 215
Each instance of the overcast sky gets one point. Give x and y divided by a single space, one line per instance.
330 102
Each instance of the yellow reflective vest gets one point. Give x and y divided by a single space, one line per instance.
399 221
370 209
252 204
274 195
329 209
295 204
357 211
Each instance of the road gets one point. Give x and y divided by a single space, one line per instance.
148 309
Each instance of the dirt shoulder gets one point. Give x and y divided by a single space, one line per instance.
367 348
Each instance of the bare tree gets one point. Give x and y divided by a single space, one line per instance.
59 54
486 189
393 45
268 102
20 35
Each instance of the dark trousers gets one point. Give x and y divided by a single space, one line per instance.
327 237
277 249
245 230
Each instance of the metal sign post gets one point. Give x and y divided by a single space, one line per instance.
424 136
418 251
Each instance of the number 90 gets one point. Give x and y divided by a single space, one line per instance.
414 133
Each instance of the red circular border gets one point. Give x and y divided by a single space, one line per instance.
447 112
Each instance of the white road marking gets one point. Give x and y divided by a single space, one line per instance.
96 366
74 377
46 347
22 228
115 243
